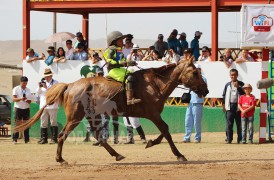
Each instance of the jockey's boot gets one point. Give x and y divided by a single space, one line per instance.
87 139
141 134
54 133
130 93
130 99
44 136
130 135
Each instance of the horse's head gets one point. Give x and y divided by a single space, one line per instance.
191 77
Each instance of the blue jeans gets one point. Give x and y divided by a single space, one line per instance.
194 114
247 123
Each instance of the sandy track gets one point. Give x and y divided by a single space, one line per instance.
211 159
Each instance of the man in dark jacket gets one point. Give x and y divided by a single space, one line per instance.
232 91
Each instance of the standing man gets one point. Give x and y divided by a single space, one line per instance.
80 39
184 43
174 42
232 91
21 106
50 112
194 115
161 46
194 45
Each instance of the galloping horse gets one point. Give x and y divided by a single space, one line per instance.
89 97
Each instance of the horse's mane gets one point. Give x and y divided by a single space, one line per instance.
158 70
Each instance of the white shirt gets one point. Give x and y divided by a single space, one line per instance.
41 91
126 52
173 59
18 91
69 54
134 58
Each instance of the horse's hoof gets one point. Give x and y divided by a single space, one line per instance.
119 157
149 144
64 163
181 158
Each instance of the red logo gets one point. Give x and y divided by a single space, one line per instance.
262 23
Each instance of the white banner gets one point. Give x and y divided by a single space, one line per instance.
257 25
216 73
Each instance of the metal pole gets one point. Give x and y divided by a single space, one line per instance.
54 28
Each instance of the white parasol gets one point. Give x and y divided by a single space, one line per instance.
59 37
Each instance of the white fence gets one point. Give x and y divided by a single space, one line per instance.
216 73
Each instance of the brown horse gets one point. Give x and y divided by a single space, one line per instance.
89 97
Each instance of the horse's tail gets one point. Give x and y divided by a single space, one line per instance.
54 94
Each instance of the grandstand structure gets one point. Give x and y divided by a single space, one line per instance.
86 7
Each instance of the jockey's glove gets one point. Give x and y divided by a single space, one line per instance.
123 63
132 63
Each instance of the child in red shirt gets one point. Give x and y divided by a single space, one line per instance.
247 106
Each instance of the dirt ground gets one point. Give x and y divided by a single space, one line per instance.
211 159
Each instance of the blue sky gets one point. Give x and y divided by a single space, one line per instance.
142 26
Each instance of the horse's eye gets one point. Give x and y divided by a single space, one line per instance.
195 73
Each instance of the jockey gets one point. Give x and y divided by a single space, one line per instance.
116 61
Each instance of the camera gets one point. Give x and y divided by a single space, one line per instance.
24 95
134 50
43 81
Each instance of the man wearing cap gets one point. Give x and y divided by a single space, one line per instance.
187 54
194 45
174 42
160 45
21 106
69 52
184 43
206 55
49 59
128 45
32 56
80 54
135 54
95 58
50 112
116 60
80 39
194 114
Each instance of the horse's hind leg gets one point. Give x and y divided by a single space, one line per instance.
74 116
156 141
96 126
163 127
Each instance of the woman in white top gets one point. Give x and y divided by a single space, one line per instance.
171 57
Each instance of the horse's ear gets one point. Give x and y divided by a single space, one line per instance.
190 60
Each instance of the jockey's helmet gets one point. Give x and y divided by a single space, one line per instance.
114 35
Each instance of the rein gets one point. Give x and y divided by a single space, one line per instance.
166 77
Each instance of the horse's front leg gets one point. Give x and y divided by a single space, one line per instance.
74 117
163 127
